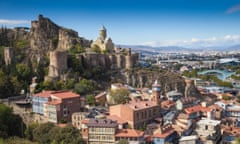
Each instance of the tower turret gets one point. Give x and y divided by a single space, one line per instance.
103 33
156 89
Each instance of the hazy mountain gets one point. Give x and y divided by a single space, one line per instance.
150 49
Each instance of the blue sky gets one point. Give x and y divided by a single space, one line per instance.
190 23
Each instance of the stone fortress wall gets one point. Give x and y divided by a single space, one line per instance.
109 57
110 61
58 64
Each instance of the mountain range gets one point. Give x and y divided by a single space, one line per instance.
177 49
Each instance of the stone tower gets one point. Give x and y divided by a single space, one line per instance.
189 84
103 33
156 89
8 55
58 64
129 61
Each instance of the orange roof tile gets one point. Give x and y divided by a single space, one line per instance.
55 102
137 105
44 94
65 94
165 134
197 108
116 118
129 133
85 121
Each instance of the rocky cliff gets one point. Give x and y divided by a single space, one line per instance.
47 36
43 36
145 78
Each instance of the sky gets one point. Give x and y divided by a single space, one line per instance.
187 23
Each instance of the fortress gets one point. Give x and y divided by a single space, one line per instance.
108 57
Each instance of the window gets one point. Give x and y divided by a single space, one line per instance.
206 127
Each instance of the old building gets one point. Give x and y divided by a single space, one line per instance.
186 102
165 134
102 42
131 135
101 131
77 118
209 131
138 113
57 105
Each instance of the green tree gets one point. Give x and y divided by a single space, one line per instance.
17 86
123 141
74 64
11 124
29 131
237 140
90 99
76 49
49 133
23 71
68 135
42 133
70 83
120 95
96 49
84 86
17 140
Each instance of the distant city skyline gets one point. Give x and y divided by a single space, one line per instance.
186 23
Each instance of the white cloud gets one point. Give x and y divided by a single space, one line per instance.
227 40
233 9
13 22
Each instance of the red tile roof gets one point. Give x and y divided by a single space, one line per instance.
197 108
165 134
44 94
55 102
85 121
129 133
137 105
116 118
65 94
59 94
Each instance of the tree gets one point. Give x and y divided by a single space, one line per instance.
68 135
96 49
42 133
84 86
23 72
49 133
10 124
29 131
74 64
91 100
237 140
123 141
120 95
76 49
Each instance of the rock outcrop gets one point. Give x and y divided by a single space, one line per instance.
46 36
144 78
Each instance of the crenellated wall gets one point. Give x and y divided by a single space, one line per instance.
110 61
